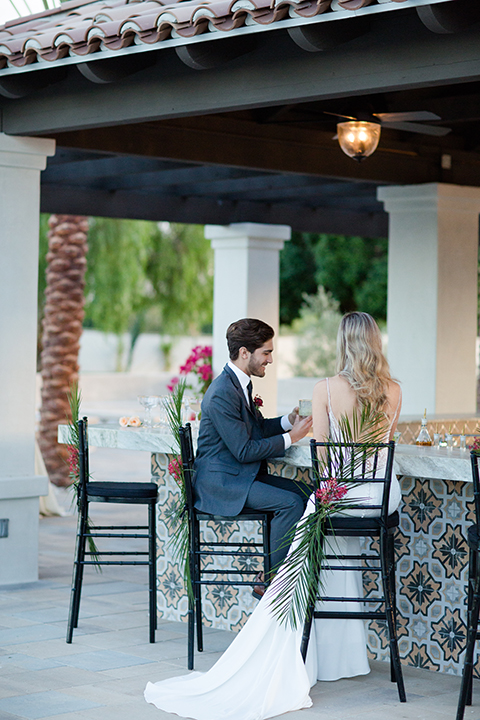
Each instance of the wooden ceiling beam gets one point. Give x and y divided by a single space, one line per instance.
149 206
223 140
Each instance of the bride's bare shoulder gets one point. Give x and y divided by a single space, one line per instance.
320 388
394 393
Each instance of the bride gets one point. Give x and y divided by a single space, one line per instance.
262 674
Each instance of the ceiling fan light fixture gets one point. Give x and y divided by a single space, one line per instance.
358 138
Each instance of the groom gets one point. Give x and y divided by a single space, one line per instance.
235 441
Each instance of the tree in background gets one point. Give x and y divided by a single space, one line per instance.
316 329
352 269
148 277
298 267
62 328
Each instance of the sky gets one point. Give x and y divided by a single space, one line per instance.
24 7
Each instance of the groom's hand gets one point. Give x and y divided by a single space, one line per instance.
293 415
300 428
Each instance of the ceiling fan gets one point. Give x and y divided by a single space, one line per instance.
359 136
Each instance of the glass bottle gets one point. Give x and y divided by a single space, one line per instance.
424 436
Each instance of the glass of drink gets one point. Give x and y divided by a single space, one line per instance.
148 402
304 408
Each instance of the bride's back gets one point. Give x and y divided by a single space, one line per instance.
363 378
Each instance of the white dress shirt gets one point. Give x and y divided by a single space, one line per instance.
244 379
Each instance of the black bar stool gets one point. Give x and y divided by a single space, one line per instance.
131 493
199 548
353 463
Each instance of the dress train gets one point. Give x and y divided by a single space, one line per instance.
262 673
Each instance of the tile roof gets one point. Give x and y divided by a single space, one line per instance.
82 27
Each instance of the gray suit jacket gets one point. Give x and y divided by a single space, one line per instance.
232 442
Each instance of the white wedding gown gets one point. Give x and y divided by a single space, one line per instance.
262 674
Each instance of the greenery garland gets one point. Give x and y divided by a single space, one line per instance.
298 579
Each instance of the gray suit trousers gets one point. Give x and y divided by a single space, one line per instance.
287 500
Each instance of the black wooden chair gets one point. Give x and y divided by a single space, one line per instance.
473 595
203 549
361 460
131 493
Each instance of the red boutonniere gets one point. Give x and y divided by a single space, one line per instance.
257 401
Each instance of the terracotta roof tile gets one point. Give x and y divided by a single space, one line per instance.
81 27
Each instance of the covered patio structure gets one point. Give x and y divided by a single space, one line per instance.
216 113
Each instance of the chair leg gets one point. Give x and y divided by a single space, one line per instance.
77 578
393 596
388 592
465 697
191 596
266 549
152 557
307 628
472 574
310 614
198 590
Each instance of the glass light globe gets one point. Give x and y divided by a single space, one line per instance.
358 138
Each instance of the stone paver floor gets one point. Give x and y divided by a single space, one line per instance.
102 674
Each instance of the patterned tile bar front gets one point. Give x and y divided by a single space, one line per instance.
432 561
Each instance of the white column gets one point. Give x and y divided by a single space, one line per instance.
432 295
246 284
21 160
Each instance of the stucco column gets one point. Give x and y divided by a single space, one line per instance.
432 295
21 160
246 284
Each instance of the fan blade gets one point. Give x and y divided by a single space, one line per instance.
421 115
436 130
338 115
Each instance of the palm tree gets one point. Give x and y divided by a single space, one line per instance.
62 328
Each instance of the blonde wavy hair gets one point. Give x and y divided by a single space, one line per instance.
361 361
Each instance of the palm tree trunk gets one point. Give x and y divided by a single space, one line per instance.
62 328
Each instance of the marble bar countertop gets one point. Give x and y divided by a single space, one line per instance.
410 460
113 436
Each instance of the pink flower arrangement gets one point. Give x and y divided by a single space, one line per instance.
73 459
199 362
175 469
330 492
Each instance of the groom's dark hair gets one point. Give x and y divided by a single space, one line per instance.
249 333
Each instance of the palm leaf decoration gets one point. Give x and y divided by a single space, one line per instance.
295 587
177 516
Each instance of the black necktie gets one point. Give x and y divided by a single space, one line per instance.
249 389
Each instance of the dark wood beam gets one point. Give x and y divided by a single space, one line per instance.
399 53
225 140
144 206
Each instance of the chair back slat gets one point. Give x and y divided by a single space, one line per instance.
359 455
474 457
188 457
83 464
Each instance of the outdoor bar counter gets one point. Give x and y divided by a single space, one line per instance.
432 552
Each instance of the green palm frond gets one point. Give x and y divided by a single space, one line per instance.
296 585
